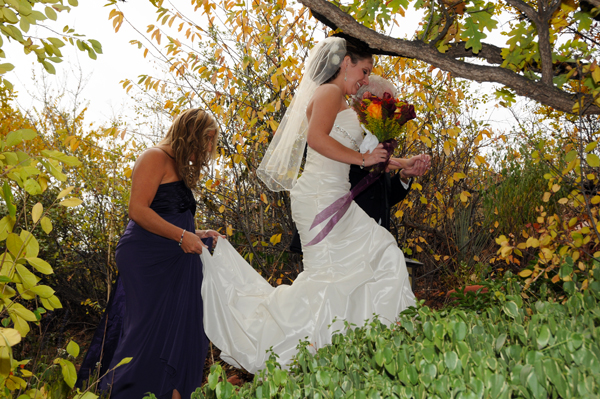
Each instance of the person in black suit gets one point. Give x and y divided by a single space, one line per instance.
391 188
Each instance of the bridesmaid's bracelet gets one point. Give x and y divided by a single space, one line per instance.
181 239
363 164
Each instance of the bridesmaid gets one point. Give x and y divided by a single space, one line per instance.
160 269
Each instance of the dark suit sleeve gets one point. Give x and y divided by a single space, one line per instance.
397 191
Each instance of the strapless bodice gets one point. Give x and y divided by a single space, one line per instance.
325 174
173 197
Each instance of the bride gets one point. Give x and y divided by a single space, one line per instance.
356 271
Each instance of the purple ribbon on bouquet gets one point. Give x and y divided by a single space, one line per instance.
338 209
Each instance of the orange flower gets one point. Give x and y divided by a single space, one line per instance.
374 111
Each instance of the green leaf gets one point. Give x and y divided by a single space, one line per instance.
32 247
53 169
10 15
451 360
543 336
27 278
73 348
14 243
32 187
575 341
6 226
68 372
85 395
40 265
565 270
55 302
22 311
50 13
123 362
96 45
460 330
511 309
43 291
428 330
474 34
500 342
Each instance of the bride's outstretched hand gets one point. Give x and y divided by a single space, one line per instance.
379 154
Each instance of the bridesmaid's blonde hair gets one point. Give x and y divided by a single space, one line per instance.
191 144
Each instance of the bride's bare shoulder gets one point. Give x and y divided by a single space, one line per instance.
328 90
327 98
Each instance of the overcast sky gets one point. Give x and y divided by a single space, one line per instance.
120 60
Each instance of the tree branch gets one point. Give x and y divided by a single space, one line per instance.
544 93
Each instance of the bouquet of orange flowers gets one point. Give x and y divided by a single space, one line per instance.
383 117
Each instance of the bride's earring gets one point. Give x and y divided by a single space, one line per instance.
346 72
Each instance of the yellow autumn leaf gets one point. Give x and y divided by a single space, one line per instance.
275 239
71 202
533 242
525 273
591 145
555 187
563 201
263 198
447 148
425 140
65 192
459 175
464 196
46 225
229 230
593 160
9 337
596 73
36 212
505 251
222 209
595 199
546 197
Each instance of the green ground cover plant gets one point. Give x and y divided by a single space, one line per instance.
512 349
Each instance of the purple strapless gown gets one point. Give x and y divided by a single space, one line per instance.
162 326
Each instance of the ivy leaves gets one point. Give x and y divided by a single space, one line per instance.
534 350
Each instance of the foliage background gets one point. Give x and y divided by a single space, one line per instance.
496 199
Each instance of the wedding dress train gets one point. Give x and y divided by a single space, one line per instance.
355 272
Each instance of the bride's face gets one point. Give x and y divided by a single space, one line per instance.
357 74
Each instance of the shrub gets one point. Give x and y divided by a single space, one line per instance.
541 350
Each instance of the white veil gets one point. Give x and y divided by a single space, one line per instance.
281 163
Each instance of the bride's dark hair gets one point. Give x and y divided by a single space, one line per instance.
356 52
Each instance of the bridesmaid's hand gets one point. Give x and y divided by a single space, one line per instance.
210 233
192 244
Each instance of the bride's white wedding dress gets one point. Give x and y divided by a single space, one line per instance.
356 271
